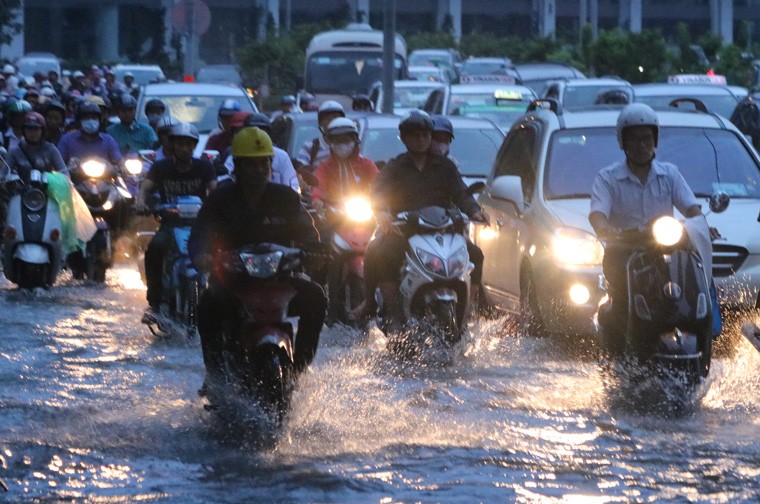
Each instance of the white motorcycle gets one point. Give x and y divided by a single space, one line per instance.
32 254
435 281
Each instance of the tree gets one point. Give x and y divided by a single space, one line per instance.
10 26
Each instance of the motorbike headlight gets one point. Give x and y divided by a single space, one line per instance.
262 265
458 262
133 166
667 231
575 247
431 262
358 209
94 168
34 200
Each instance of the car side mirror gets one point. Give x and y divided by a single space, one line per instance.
719 202
509 188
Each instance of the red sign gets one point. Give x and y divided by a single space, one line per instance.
181 16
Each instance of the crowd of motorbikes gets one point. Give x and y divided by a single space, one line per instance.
668 333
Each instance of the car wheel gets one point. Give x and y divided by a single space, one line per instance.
530 317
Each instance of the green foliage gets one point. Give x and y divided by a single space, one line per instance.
711 44
636 57
8 22
731 64
427 40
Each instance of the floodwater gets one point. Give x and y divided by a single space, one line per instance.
96 409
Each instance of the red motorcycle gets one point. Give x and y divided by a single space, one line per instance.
353 223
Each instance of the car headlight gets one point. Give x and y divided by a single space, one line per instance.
94 168
358 209
667 231
458 262
431 262
576 247
133 166
262 265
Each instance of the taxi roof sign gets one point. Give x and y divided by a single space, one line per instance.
507 94
719 80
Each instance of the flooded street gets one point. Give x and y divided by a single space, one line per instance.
96 409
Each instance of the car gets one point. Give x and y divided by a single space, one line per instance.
501 103
34 62
450 58
542 258
143 74
537 75
195 103
474 147
407 94
431 73
585 92
219 74
717 98
483 70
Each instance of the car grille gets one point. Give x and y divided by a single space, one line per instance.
727 259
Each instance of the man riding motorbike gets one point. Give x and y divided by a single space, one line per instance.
55 118
131 136
179 175
252 210
88 141
282 167
221 138
413 180
15 113
154 110
315 151
163 131
629 194
33 152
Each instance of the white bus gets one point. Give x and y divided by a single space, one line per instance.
342 63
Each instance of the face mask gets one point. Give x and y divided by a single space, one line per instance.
90 126
440 148
153 118
343 150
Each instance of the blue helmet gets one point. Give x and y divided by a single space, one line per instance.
229 107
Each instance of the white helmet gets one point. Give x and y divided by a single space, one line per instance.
342 126
9 69
637 114
184 129
330 107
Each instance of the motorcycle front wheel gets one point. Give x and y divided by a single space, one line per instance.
274 375
31 276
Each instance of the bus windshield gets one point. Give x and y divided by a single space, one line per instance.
347 72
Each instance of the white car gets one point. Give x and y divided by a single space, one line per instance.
542 257
195 103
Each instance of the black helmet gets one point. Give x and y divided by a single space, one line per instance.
442 123
155 103
415 120
87 108
55 105
258 120
361 102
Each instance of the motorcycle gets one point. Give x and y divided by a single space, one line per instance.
182 283
354 225
260 364
103 189
142 228
32 255
668 332
435 281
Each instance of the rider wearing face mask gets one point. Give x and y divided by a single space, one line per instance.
88 141
345 172
33 151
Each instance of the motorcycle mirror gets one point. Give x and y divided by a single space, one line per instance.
719 202
476 188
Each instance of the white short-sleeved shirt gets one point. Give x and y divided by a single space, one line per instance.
282 169
628 204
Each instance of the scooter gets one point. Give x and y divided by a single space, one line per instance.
435 281
259 356
354 225
32 254
668 331
103 189
182 283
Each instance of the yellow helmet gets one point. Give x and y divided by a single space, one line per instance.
252 142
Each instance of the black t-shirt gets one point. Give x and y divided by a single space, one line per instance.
170 182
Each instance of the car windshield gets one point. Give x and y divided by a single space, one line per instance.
346 72
218 75
502 111
410 97
432 74
430 59
720 104
473 149
201 111
710 160
142 77
579 96
472 68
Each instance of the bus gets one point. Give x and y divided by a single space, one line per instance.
342 63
